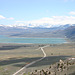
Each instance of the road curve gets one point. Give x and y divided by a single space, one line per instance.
44 55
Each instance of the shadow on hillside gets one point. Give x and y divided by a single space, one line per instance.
49 60
15 60
46 61
11 47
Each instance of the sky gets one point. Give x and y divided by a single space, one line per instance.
37 12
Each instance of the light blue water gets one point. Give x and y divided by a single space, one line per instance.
5 39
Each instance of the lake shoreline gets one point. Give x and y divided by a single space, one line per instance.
6 39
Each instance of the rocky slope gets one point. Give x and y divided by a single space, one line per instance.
66 67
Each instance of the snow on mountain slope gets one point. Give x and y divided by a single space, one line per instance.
44 25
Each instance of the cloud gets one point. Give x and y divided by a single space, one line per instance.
11 18
72 13
48 21
2 17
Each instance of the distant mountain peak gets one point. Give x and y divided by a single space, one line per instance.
44 25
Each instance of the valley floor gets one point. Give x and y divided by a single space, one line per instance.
14 56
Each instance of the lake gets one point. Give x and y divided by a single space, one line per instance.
6 39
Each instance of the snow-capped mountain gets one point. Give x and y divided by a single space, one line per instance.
44 25
36 31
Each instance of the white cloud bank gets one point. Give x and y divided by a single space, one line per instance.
45 22
48 22
11 18
72 13
2 17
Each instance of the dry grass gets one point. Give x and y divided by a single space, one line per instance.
15 56
60 49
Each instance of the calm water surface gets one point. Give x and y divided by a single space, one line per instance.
5 39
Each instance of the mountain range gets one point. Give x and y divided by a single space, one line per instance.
61 31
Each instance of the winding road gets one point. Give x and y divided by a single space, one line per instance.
20 72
